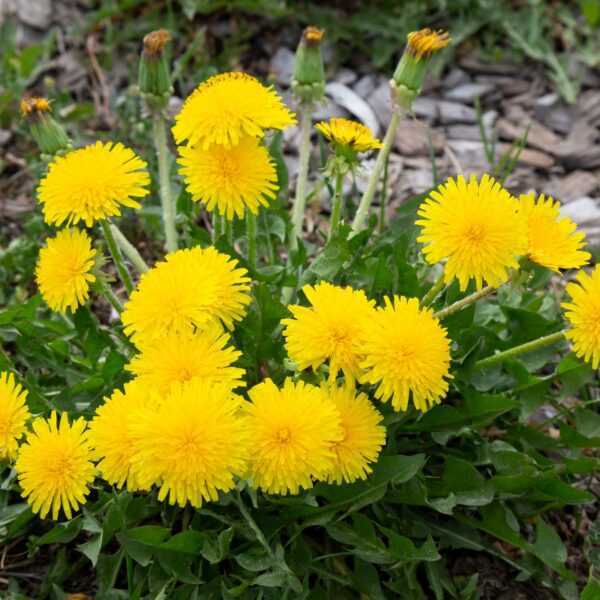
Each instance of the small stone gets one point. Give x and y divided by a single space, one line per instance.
345 76
547 100
532 158
455 77
469 154
326 111
539 136
37 14
575 185
381 103
463 132
583 210
509 86
425 108
467 92
471 63
453 112
282 65
5 135
412 139
365 85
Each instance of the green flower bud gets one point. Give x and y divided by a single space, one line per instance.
154 78
50 137
410 72
308 80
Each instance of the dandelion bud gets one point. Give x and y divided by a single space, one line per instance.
410 72
48 134
308 81
154 77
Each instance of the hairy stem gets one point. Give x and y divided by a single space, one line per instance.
251 231
117 257
460 304
432 294
305 111
382 157
168 206
107 292
336 207
130 251
521 349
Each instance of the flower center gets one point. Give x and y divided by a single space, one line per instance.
474 233
283 436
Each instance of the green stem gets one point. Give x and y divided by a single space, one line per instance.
117 257
382 157
107 292
228 229
337 203
432 294
129 249
383 195
217 225
521 349
186 517
251 231
168 206
442 314
305 111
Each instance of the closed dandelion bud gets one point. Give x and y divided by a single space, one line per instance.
410 72
308 81
154 76
50 137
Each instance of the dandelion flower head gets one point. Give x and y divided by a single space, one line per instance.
583 312
349 134
14 415
185 291
110 434
225 108
292 429
230 179
407 352
92 183
63 270
329 329
552 241
364 435
476 227
193 445
54 466
204 354
425 42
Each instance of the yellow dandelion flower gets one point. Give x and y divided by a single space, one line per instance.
407 351
188 289
584 314
329 329
63 270
14 415
54 466
34 105
109 432
194 444
228 106
476 227
229 179
349 134
292 430
364 436
92 183
185 356
552 241
425 42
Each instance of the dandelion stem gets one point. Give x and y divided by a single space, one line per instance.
521 349
228 229
251 231
382 157
168 206
107 292
460 304
305 111
217 224
432 294
129 249
117 257
337 203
